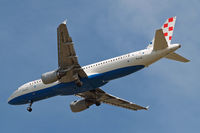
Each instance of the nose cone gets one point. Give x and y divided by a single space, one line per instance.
11 99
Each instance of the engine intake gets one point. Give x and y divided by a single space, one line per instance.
52 76
80 105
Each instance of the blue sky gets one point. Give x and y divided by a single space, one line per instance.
101 30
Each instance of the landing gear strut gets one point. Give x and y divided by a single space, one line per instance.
77 80
29 109
78 83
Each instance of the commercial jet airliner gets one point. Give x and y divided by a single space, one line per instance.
72 79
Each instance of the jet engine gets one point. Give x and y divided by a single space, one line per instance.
52 76
80 105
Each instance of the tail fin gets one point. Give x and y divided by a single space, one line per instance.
167 28
159 41
177 57
163 39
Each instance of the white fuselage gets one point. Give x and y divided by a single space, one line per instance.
143 57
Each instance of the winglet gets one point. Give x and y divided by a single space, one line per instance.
64 22
147 107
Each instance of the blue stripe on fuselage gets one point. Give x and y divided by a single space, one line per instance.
90 83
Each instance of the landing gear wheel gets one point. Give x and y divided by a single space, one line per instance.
98 103
29 109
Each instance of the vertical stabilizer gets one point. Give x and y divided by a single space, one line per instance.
159 41
167 28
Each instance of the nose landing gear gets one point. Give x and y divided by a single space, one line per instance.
29 109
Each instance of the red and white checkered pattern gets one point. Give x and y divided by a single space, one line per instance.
168 28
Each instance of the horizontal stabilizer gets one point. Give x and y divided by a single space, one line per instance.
177 57
160 41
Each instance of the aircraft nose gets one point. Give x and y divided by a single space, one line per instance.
11 99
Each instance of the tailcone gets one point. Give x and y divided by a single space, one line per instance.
174 47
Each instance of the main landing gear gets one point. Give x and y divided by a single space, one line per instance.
29 109
78 83
98 103
77 80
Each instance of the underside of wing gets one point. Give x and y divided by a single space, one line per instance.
66 52
113 100
67 59
101 96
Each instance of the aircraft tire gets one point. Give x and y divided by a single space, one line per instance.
29 109
98 103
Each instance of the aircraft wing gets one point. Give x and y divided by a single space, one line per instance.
104 97
67 59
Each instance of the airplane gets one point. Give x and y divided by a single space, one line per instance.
85 82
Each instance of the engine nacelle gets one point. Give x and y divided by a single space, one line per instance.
80 105
49 77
